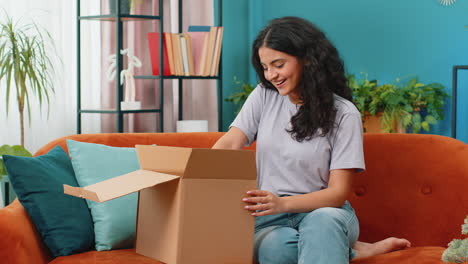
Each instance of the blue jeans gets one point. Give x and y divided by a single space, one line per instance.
325 235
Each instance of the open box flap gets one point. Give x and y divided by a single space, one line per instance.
221 164
170 160
119 186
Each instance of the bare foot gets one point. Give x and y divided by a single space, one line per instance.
390 244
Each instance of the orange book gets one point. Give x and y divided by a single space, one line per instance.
209 56
177 54
170 52
217 52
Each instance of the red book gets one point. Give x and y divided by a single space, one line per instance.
153 42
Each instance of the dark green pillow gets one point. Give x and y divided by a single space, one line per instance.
64 222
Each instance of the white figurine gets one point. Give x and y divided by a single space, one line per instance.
127 76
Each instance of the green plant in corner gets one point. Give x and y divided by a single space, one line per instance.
426 102
361 89
25 65
243 91
14 151
413 106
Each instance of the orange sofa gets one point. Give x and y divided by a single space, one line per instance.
415 187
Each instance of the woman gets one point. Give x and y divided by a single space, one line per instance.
309 145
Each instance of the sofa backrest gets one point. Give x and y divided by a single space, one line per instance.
414 186
190 140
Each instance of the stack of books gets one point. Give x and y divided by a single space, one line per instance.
194 53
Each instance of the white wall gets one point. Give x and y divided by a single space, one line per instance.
59 18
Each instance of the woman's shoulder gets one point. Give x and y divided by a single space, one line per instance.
345 106
264 92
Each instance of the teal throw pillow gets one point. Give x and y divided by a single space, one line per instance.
63 221
114 220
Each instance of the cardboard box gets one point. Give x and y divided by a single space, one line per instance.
190 208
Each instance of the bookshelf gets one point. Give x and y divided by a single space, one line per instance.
119 20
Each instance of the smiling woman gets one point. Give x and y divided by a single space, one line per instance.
308 146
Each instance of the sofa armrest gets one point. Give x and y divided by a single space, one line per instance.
19 241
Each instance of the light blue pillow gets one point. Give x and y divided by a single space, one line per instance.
114 220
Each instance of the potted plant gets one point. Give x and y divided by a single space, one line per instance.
243 91
426 104
25 65
380 105
397 107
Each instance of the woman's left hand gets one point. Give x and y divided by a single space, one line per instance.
265 202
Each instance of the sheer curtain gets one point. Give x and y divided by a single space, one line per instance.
199 96
59 18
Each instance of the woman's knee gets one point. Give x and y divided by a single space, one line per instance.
327 217
276 245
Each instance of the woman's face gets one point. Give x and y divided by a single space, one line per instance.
282 70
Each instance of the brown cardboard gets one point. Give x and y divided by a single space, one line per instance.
190 208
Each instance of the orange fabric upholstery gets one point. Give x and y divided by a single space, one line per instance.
19 241
414 187
122 256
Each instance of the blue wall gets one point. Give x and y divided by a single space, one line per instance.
387 39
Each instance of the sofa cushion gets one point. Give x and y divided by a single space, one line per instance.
63 221
115 220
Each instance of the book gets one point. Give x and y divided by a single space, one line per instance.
154 48
177 54
196 39
170 52
184 52
203 55
209 54
199 38
190 54
217 52
196 28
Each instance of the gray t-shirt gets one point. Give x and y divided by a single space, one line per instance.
286 166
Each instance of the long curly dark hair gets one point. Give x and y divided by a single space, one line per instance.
323 73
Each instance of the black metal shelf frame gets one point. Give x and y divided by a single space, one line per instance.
455 70
119 18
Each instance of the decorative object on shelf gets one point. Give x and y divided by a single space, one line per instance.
412 106
192 126
457 251
447 2
126 75
26 58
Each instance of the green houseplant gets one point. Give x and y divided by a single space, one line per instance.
412 106
25 65
16 150
242 91
425 104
